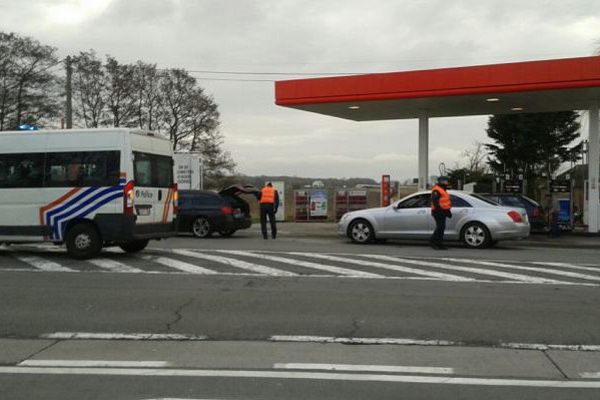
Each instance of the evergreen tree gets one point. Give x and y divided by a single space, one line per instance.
532 144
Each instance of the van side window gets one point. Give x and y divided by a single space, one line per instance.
152 170
72 169
21 170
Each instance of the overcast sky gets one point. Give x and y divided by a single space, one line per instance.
315 36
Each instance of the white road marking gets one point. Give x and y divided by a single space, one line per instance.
590 375
43 265
114 266
180 265
566 265
367 368
480 271
423 379
431 274
433 342
522 268
261 269
544 347
94 363
120 336
307 264
345 340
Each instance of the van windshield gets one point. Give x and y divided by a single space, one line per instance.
152 170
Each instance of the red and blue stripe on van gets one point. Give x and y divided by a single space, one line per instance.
77 203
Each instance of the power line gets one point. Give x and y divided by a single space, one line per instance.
274 73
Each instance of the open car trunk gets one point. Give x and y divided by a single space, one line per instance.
239 205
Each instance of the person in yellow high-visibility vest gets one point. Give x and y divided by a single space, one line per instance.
269 201
440 210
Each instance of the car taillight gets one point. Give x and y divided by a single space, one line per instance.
175 199
515 216
226 210
128 197
536 212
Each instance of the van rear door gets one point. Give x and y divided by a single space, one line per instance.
153 176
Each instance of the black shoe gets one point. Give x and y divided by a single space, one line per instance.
434 245
265 237
442 247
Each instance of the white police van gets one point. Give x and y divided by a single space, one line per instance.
86 188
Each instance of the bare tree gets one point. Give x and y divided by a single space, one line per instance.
28 89
146 80
120 90
89 89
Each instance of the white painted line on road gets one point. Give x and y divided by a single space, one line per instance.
441 380
43 265
261 269
431 274
120 336
306 264
590 375
544 347
480 271
433 342
114 266
180 265
567 265
94 363
522 268
367 368
345 340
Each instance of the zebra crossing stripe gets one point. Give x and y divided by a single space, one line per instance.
522 268
566 265
43 265
114 266
232 262
480 271
306 264
421 272
180 265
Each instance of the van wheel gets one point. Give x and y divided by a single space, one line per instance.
201 227
476 236
83 241
134 246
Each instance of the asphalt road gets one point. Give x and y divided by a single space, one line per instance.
475 299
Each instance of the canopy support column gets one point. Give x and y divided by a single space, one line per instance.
593 169
423 152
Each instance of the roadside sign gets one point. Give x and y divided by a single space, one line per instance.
513 186
560 186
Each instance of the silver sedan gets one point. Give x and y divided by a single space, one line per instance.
476 221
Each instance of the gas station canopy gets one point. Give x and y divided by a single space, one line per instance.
522 87
533 86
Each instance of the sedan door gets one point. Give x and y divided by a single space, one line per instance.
461 212
410 219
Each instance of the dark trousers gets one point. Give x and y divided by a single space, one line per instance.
440 227
267 210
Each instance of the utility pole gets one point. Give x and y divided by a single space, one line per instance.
69 105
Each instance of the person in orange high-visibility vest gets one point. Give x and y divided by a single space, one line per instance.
269 201
440 210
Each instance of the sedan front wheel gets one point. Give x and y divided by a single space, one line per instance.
361 232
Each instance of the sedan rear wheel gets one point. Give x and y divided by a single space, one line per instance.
476 235
201 227
361 232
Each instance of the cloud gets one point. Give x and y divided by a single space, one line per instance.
290 36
